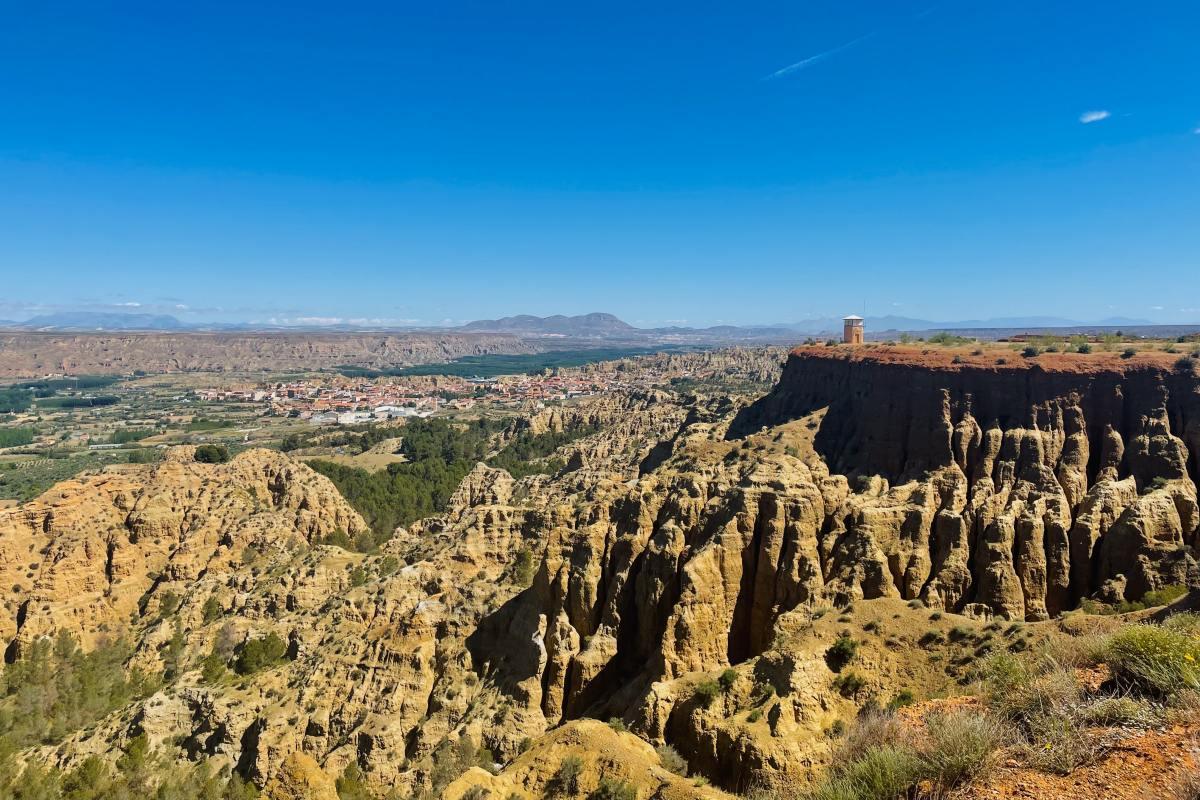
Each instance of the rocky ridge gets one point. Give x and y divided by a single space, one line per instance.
32 355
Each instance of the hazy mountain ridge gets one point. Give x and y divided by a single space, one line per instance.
596 323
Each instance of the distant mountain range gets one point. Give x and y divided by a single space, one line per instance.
594 326
100 320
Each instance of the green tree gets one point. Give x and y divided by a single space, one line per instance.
212 454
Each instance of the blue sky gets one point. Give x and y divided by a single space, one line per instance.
668 162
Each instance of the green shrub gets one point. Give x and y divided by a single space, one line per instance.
727 679
212 668
351 786
707 692
1128 352
259 654
841 652
931 638
523 567
1154 660
212 609
1163 596
849 683
617 724
613 789
168 604
882 773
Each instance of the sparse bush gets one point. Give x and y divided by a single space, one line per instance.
961 746
671 760
168 604
566 778
1083 347
1021 693
880 774
1119 711
903 699
1128 352
1185 622
727 679
849 683
1059 744
617 724
613 789
1031 352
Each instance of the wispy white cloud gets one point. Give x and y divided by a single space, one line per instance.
808 62
1088 117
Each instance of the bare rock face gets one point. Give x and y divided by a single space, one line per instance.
685 537
602 753
300 778
84 555
1051 481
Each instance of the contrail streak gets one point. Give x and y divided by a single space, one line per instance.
808 62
